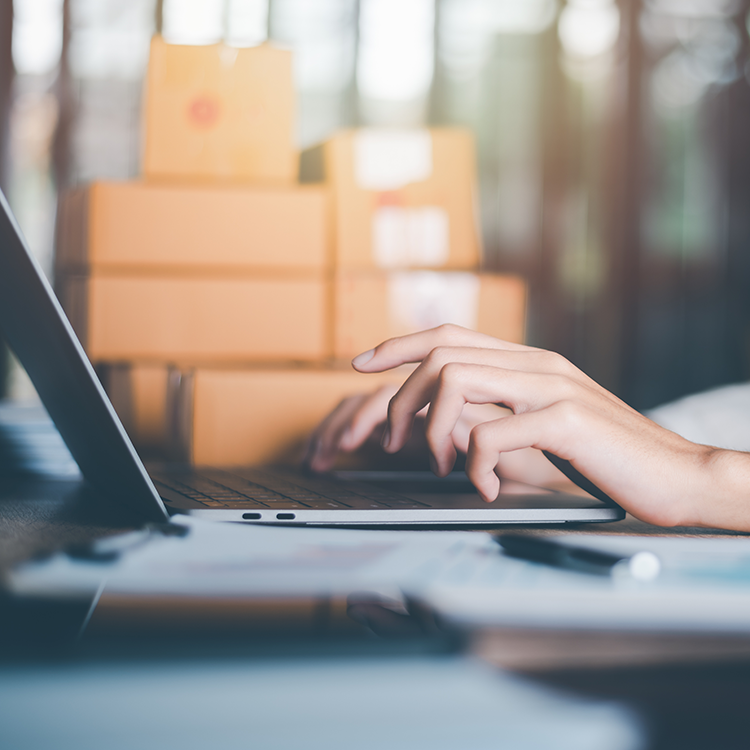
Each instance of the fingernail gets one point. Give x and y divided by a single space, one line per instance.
490 498
386 437
363 359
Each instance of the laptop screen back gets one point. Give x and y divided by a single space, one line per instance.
38 332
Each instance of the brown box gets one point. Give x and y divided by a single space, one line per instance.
191 320
231 416
218 112
265 416
373 306
401 199
127 226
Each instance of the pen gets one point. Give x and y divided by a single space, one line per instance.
642 566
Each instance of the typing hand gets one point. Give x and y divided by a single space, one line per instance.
348 427
360 419
653 473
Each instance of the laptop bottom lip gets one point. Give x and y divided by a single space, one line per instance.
420 517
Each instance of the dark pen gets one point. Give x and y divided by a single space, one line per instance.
643 566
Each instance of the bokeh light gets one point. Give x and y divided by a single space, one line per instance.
193 21
589 28
396 49
37 35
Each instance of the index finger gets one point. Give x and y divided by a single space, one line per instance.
416 346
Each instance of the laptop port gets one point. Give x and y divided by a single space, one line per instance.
285 516
251 516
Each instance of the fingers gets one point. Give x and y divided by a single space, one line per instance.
539 429
324 443
415 347
471 416
347 427
371 413
420 388
450 386
458 385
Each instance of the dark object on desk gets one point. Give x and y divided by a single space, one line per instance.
643 566
110 549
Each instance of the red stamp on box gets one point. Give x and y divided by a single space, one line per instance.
203 111
389 198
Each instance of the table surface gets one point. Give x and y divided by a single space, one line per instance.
693 692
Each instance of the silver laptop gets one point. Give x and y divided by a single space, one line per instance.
37 330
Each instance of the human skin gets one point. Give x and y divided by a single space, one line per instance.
462 380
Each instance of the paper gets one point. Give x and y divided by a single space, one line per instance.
226 560
704 586
389 159
418 300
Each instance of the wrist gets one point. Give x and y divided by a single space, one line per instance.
721 497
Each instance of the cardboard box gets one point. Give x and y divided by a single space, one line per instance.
230 416
401 198
129 226
191 320
247 417
219 113
373 306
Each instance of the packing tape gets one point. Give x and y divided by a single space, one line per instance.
418 300
404 236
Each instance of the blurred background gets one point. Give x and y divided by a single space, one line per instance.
613 139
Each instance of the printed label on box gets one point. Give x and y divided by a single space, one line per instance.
418 300
390 159
403 237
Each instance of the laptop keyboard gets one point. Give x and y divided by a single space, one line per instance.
225 490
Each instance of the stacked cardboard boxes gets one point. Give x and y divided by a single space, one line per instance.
196 274
406 242
220 298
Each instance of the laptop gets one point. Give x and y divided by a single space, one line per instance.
37 330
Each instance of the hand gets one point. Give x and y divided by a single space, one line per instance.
653 473
348 427
360 419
